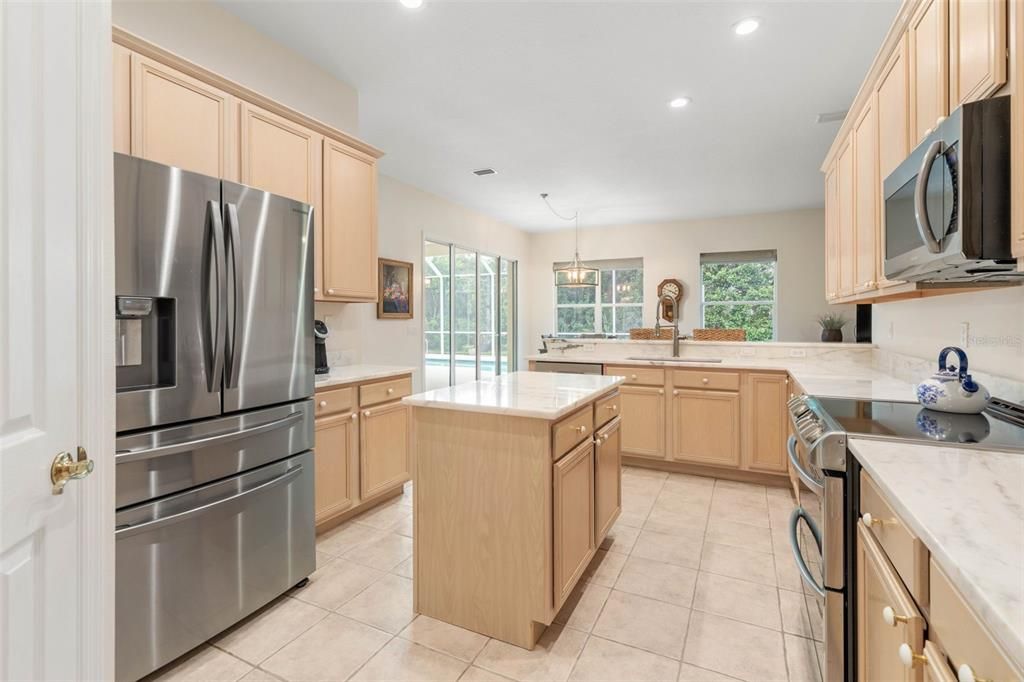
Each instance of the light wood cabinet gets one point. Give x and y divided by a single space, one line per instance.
878 643
936 669
866 198
334 451
643 421
350 224
767 422
929 53
574 539
121 103
831 234
706 427
1017 135
892 99
845 226
608 478
383 449
181 121
977 49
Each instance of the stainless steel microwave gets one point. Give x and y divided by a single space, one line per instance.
947 206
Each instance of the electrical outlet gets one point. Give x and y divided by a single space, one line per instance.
746 352
797 353
892 329
965 334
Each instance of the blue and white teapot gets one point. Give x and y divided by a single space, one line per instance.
952 389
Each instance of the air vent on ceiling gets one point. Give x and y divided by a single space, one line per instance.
831 116
484 171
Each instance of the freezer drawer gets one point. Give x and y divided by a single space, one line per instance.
193 564
170 460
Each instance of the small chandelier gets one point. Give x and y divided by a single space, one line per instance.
577 273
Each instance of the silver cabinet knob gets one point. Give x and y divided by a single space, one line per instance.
366 413
390 391
354 415
704 380
330 291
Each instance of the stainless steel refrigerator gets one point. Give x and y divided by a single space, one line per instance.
214 348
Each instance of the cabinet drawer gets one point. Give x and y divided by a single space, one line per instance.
960 634
650 376
571 430
335 401
606 409
715 381
383 391
906 552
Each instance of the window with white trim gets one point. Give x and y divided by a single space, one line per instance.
738 291
613 307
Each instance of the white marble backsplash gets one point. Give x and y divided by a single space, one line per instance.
914 369
623 348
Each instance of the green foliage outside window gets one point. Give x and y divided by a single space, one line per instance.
740 295
618 300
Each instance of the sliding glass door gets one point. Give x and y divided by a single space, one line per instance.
469 314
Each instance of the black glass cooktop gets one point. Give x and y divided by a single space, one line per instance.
899 420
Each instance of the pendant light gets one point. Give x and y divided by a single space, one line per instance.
577 273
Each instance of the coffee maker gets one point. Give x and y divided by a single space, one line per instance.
320 332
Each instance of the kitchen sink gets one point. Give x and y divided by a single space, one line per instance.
684 360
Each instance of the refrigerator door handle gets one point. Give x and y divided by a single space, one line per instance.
234 362
217 260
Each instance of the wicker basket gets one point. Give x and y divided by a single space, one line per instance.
648 334
720 334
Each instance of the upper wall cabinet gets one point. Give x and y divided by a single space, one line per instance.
929 99
831 234
977 49
892 99
845 226
285 158
866 195
1017 138
181 121
121 101
350 224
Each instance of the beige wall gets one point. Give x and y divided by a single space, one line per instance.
922 327
205 34
406 216
672 250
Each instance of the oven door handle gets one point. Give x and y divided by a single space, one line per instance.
924 225
805 572
805 476
156 524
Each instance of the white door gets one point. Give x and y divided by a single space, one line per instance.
56 339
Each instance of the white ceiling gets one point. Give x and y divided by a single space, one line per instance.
571 98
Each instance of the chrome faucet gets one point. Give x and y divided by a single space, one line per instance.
660 314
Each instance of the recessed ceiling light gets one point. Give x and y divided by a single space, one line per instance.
745 27
412 4
679 102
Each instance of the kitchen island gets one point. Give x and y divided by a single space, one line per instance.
517 480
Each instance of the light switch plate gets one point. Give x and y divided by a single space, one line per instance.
797 353
965 334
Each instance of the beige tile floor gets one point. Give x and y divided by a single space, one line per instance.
695 583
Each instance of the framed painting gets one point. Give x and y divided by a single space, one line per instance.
395 281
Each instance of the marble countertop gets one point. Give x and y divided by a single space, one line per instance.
542 395
824 376
351 374
967 506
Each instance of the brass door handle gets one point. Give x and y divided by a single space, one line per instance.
66 468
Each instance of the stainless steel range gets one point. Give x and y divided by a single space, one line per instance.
823 526
214 319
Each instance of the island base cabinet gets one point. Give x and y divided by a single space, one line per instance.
706 427
573 480
643 421
383 449
878 643
608 475
335 446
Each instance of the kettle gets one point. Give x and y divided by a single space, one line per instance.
951 389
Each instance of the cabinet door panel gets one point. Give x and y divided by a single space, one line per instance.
831 235
573 482
867 189
878 643
383 449
122 104
766 441
706 427
643 421
846 230
893 103
977 49
929 82
608 474
180 121
350 224
333 453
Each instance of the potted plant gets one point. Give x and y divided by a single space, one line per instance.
832 327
